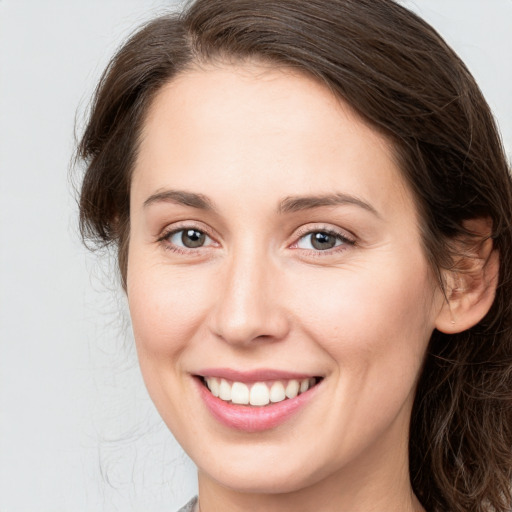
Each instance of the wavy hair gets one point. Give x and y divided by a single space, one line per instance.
402 79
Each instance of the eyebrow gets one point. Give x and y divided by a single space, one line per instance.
298 203
288 205
180 197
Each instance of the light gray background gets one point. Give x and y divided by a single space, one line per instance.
77 431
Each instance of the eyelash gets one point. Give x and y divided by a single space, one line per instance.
164 239
342 237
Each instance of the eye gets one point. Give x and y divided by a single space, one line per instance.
321 241
189 238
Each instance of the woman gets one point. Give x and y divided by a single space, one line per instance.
311 207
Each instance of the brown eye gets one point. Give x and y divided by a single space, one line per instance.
192 238
189 238
321 241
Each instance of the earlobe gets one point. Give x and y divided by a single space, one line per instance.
470 286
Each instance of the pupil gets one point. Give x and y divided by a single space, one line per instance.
323 241
192 238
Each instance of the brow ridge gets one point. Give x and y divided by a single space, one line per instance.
180 197
298 203
288 205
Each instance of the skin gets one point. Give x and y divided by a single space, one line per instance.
259 295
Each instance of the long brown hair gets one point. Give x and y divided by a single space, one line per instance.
402 78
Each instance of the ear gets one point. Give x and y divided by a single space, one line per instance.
470 286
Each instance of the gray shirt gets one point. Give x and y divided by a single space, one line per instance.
191 506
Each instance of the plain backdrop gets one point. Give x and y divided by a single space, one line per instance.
77 430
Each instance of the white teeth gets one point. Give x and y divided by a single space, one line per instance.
240 393
304 385
277 393
213 385
224 390
292 388
260 394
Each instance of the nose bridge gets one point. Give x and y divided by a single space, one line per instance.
248 307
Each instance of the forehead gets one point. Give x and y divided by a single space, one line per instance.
264 128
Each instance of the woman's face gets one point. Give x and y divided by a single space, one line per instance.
274 245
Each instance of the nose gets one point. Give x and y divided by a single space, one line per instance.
249 307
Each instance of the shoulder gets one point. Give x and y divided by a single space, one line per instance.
191 506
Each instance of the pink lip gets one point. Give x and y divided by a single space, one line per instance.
250 418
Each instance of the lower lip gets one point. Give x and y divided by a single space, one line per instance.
251 418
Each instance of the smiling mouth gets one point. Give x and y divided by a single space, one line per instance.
258 394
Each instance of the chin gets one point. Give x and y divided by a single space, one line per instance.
262 469
273 480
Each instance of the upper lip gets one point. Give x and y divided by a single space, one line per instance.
257 375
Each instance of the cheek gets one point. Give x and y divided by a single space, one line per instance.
370 323
375 327
166 309
166 312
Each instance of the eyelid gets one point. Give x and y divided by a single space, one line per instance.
181 225
176 227
307 229
347 238
171 236
324 228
